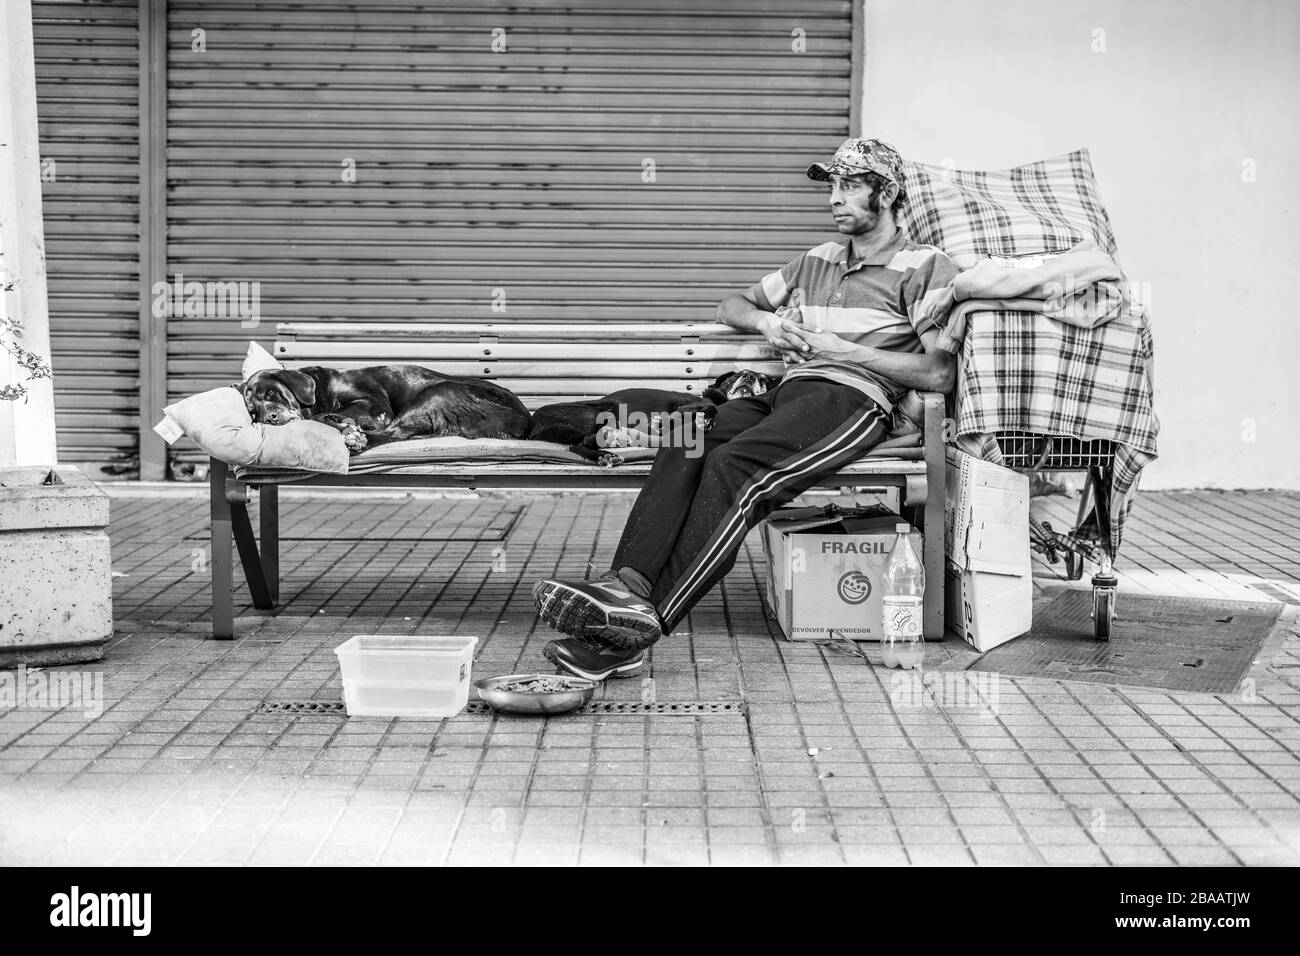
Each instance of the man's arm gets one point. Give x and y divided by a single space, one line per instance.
740 311
933 370
761 308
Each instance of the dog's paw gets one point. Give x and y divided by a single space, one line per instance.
353 437
609 460
704 418
610 437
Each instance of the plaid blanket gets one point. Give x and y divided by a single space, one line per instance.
1021 371
1048 206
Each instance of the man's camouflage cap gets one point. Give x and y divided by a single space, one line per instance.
858 156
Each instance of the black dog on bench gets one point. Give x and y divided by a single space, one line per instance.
585 426
385 403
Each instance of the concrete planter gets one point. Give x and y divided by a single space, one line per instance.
56 582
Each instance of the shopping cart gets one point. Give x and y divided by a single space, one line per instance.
1090 538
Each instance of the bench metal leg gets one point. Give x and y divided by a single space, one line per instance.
249 557
268 512
223 605
936 481
932 559
231 524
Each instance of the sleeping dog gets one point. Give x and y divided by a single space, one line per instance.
583 426
384 403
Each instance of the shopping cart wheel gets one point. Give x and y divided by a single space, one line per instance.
1073 566
1103 605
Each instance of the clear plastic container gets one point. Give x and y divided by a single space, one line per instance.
388 676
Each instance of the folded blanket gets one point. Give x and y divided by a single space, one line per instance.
468 451
477 451
430 455
1080 287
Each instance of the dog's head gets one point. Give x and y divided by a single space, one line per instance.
743 384
278 396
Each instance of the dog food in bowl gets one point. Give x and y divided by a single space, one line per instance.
535 693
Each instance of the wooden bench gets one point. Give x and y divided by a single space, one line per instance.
542 363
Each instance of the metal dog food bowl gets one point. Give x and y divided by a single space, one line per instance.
491 691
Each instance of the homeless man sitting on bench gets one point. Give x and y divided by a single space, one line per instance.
861 345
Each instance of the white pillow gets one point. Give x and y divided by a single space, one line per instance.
218 422
258 359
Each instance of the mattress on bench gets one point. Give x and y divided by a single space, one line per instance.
440 456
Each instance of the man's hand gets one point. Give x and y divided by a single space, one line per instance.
816 344
740 311
781 333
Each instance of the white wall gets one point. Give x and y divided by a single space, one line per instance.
1185 91
26 425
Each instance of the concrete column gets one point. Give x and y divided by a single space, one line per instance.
26 426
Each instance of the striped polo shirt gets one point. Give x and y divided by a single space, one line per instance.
872 301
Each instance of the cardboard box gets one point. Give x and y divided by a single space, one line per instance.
989 592
985 609
823 571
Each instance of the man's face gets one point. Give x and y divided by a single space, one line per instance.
854 205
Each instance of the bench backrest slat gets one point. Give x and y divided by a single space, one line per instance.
540 362
528 331
562 371
432 350
534 393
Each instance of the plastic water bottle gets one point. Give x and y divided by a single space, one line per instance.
901 603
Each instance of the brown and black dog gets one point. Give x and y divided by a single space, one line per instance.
385 403
583 426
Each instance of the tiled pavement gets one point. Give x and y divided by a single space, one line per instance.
832 761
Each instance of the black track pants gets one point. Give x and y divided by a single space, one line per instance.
693 512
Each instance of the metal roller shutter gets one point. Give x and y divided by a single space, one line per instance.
486 177
87 101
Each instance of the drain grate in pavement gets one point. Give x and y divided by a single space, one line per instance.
302 707
683 708
691 708
630 708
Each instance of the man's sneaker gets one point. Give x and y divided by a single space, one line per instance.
605 608
593 659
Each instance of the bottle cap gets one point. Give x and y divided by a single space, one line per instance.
903 528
